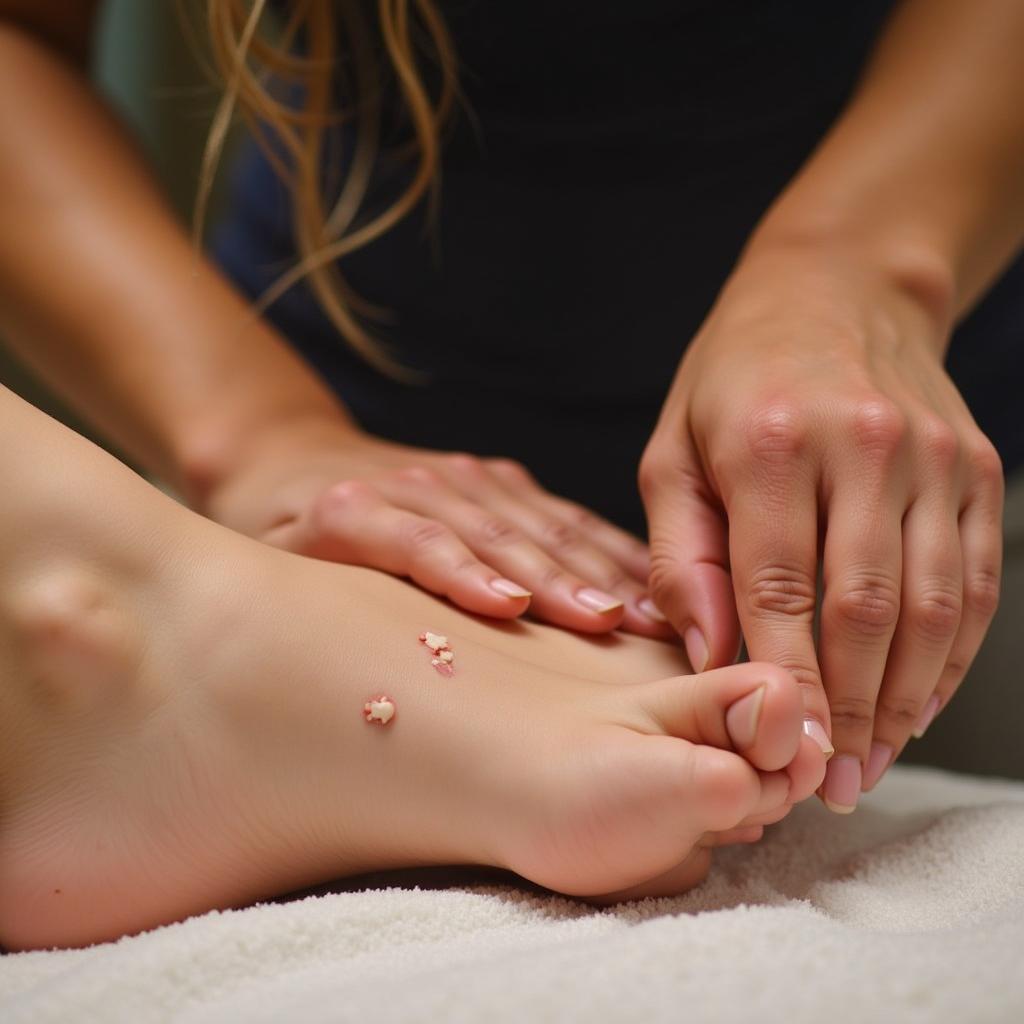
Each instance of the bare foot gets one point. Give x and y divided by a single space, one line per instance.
182 727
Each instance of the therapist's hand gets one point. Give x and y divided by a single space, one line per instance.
811 419
481 532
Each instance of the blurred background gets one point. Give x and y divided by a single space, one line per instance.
149 69
151 72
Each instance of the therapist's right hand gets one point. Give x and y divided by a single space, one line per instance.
481 532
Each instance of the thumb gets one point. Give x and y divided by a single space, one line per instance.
689 545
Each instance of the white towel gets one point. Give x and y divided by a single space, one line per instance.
909 910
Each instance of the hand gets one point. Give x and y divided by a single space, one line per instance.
482 532
812 419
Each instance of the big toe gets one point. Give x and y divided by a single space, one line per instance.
754 709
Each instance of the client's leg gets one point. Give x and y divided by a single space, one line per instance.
181 722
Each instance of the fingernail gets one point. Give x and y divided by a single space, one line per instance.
509 589
742 717
647 607
597 600
878 761
842 784
814 729
696 648
930 710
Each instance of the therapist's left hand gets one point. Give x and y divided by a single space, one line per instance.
812 422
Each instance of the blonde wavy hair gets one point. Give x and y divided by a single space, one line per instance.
338 72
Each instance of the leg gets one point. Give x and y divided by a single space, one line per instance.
181 726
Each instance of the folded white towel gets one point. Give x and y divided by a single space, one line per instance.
911 909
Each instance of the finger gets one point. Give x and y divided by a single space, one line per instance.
567 544
773 539
862 562
981 541
350 522
573 537
559 595
753 709
570 548
690 580
621 546
932 599
981 544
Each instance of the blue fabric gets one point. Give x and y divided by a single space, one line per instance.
621 155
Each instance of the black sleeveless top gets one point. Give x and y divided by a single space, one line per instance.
622 153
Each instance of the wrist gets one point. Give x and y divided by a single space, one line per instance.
855 270
215 448
899 264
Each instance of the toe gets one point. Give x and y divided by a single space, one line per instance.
722 789
774 793
684 876
754 708
806 771
734 836
652 818
765 818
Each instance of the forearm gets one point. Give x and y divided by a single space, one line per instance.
925 168
102 294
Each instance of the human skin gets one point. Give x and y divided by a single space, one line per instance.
181 722
837 313
157 349
812 420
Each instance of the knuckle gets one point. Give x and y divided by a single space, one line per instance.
781 590
986 464
558 535
981 591
580 518
510 469
650 472
940 443
936 613
877 426
868 605
496 532
901 712
807 677
663 576
554 577
419 476
466 465
332 508
852 714
955 668
776 433
420 534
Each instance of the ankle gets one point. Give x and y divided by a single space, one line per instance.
73 634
